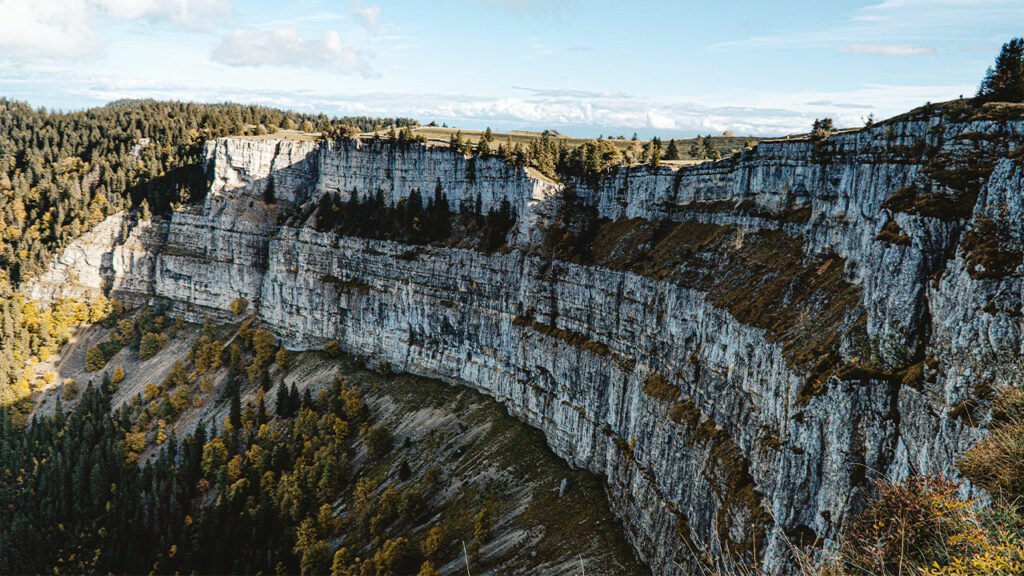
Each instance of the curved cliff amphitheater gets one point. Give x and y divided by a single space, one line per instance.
738 347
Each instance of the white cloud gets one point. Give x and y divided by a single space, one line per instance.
983 48
660 121
64 29
191 13
287 47
31 29
369 16
889 50
756 113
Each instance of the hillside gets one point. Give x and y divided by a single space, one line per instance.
451 455
744 350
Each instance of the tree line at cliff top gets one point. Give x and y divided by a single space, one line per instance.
554 156
574 161
62 173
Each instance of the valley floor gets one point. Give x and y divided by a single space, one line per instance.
470 462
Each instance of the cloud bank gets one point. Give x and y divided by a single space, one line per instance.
287 47
51 30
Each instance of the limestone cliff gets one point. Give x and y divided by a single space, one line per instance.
826 312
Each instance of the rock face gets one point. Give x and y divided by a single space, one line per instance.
719 428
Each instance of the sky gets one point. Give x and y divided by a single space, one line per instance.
584 67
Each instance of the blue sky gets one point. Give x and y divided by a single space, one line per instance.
585 67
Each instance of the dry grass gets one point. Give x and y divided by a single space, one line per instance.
763 279
917 527
997 462
296 135
658 387
724 144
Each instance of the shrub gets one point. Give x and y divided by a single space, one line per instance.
133 443
206 353
70 389
482 526
427 569
658 387
94 359
411 504
397 556
435 542
206 384
238 305
282 359
151 344
333 349
922 526
342 560
378 441
99 309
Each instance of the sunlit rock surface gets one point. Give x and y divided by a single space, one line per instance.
707 428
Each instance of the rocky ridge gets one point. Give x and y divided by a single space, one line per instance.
890 257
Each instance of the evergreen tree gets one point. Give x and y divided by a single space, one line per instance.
1004 81
293 400
653 152
235 416
268 192
455 142
261 412
708 148
282 401
672 151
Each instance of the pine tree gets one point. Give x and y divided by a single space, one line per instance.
709 148
1004 81
293 400
261 412
653 152
282 404
672 151
236 409
697 148
455 143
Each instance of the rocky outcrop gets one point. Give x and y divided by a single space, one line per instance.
829 312
85 267
298 172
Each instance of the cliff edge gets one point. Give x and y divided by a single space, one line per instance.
737 347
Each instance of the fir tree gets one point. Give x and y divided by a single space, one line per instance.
672 151
1005 80
282 401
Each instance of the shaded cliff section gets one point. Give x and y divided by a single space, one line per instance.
737 347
